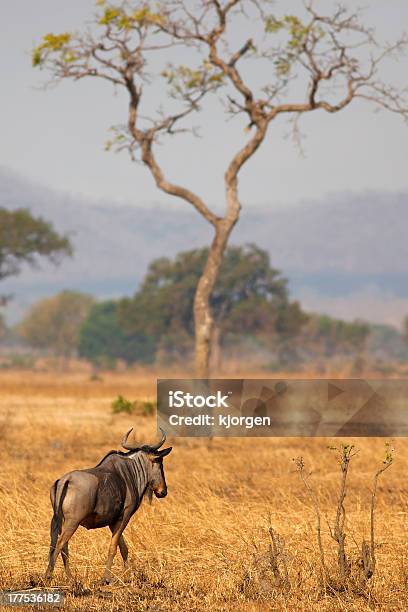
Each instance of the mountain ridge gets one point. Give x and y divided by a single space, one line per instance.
338 246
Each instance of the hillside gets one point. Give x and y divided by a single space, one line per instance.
346 255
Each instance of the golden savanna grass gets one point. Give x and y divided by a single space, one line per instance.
205 546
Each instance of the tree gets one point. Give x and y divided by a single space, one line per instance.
250 297
3 328
325 336
24 239
102 340
54 323
313 62
405 329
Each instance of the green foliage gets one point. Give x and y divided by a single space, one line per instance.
18 361
125 406
148 408
273 25
51 42
55 42
388 347
183 79
36 57
24 238
54 323
122 405
330 335
405 329
146 16
123 20
117 139
389 454
345 453
66 48
295 28
296 36
283 65
3 328
110 14
102 340
250 297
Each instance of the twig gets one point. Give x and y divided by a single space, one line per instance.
312 494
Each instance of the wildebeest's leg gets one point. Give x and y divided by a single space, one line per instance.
123 550
52 557
117 530
122 547
65 558
54 532
68 530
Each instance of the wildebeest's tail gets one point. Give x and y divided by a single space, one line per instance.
56 522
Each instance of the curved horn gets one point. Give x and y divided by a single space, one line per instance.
124 441
156 447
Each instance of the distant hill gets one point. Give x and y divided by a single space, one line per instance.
346 255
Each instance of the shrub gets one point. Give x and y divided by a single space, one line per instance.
121 404
148 408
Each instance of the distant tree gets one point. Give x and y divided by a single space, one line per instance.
3 328
308 61
54 323
25 239
327 336
387 344
405 329
102 340
250 297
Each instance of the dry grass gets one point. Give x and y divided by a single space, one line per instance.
203 547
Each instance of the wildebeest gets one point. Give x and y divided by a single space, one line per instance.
106 495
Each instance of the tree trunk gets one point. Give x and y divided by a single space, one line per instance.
203 320
202 312
215 349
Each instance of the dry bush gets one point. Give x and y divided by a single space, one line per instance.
349 575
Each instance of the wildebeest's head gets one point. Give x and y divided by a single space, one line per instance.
154 456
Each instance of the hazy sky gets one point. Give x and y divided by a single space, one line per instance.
57 137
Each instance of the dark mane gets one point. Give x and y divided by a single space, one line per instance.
145 448
114 452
